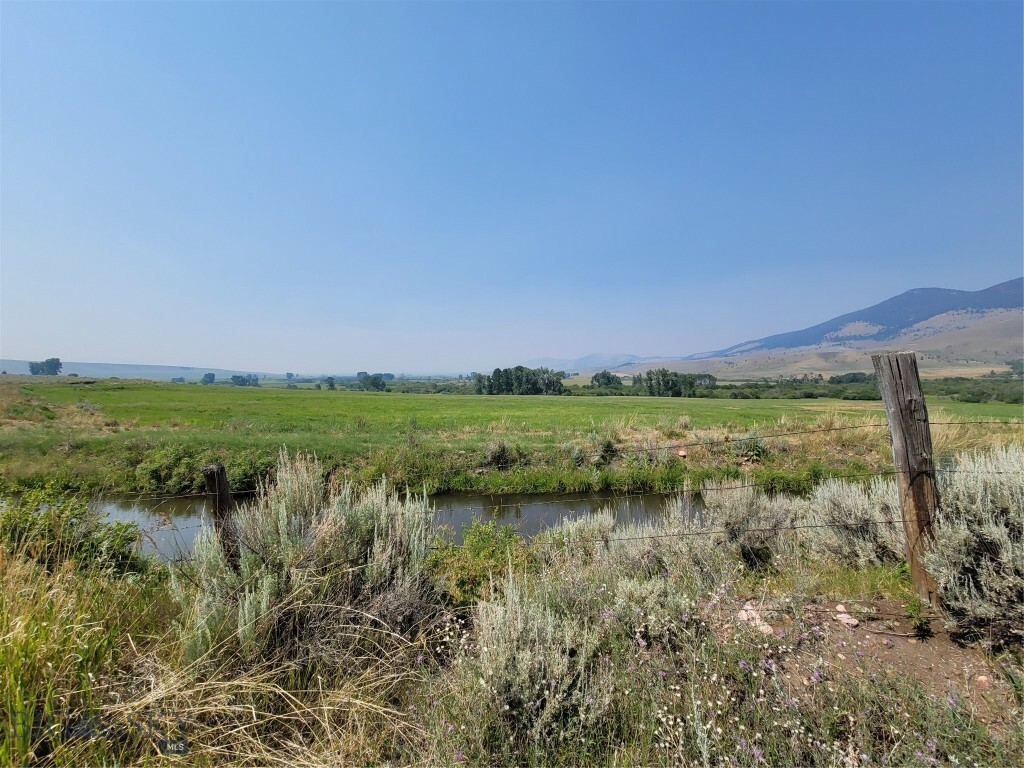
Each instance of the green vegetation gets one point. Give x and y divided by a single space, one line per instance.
72 589
50 367
246 380
1003 388
344 636
520 381
127 436
664 383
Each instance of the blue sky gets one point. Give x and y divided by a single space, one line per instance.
454 186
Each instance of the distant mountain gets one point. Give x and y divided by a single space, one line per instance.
887 320
594 362
130 371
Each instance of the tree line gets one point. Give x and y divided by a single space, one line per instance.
519 381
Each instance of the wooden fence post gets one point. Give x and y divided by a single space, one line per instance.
216 478
900 385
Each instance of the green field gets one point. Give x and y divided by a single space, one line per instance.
143 436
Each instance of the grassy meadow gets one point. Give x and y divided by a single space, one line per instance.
343 628
143 437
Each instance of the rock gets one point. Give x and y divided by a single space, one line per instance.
841 608
752 616
847 619
983 681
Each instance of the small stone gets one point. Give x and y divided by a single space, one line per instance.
983 681
847 619
841 608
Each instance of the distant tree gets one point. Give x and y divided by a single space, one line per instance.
289 376
51 366
317 385
209 378
362 375
3 373
852 378
329 381
374 383
177 380
520 381
605 379
72 375
291 386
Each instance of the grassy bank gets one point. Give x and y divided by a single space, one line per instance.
142 437
347 634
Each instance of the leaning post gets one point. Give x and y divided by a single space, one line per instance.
900 385
217 487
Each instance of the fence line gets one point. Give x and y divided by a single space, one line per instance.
719 484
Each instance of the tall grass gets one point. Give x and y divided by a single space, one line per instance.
73 592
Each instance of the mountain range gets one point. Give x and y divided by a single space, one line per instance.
953 331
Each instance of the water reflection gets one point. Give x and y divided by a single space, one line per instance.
170 526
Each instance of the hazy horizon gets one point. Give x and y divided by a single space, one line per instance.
445 188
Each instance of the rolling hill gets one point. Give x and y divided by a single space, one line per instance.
954 333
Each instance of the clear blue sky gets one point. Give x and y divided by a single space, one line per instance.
454 186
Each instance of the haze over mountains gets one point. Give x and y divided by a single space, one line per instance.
952 330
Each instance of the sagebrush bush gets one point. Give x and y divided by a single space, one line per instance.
756 525
310 569
978 556
857 525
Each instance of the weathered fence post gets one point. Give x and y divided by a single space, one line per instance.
216 478
900 385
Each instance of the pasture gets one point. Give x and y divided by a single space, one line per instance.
136 436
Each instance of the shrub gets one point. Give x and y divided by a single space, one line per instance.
488 552
978 558
310 566
857 527
498 455
52 528
754 523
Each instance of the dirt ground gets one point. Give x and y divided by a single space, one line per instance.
884 641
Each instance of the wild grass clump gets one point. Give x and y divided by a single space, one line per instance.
978 557
72 590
